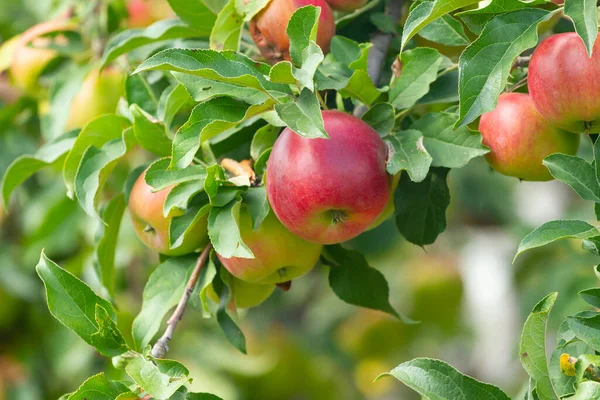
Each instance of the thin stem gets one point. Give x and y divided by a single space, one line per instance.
321 100
161 346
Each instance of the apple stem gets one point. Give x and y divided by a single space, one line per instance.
161 346
243 168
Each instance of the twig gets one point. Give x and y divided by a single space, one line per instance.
161 346
243 168
521 61
381 43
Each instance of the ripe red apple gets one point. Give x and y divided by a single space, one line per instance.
143 13
28 62
245 295
280 256
98 95
346 5
563 82
520 138
268 27
152 227
390 207
329 190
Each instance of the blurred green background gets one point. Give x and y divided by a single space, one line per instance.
305 343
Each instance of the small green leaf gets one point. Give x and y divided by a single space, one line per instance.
227 31
179 197
99 388
232 332
532 347
171 102
199 14
575 172
263 139
139 92
159 378
303 116
591 296
406 152
584 14
381 118
477 18
587 390
106 242
556 230
421 207
224 231
108 340
255 199
447 31
160 177
419 69
196 215
437 380
150 133
587 329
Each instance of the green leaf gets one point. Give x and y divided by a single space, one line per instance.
162 292
139 92
428 11
160 177
202 396
224 67
179 197
73 303
232 332
419 69
584 14
182 225
587 390
224 231
202 89
443 90
131 39
361 87
575 172
355 282
208 120
406 152
447 31
108 340
99 388
587 329
582 364
159 378
150 133
227 31
532 347
304 51
484 66
171 102
421 207
95 168
255 199
476 19
96 133
106 242
25 166
591 296
437 380
303 116
263 139
449 148
381 118
199 14
562 383
556 230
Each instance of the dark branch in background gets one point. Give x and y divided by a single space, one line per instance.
381 44
521 61
162 345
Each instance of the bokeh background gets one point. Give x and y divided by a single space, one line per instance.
304 344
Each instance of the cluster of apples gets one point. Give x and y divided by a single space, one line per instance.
269 33
563 101
321 191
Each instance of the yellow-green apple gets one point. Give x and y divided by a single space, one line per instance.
146 12
30 56
98 95
346 5
520 138
329 190
279 255
268 27
245 295
152 227
563 82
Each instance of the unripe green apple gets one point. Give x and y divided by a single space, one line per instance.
346 5
99 94
152 227
563 82
329 190
245 295
28 62
280 255
268 27
520 138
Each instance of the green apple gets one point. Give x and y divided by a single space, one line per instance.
245 295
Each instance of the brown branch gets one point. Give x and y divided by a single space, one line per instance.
161 346
521 61
381 43
243 168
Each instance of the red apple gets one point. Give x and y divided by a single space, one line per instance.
98 95
346 5
268 27
245 295
143 13
280 256
563 82
329 190
152 227
520 138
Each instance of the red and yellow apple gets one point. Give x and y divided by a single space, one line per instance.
30 58
244 294
346 5
279 255
563 82
520 138
329 190
268 27
99 94
143 13
152 227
